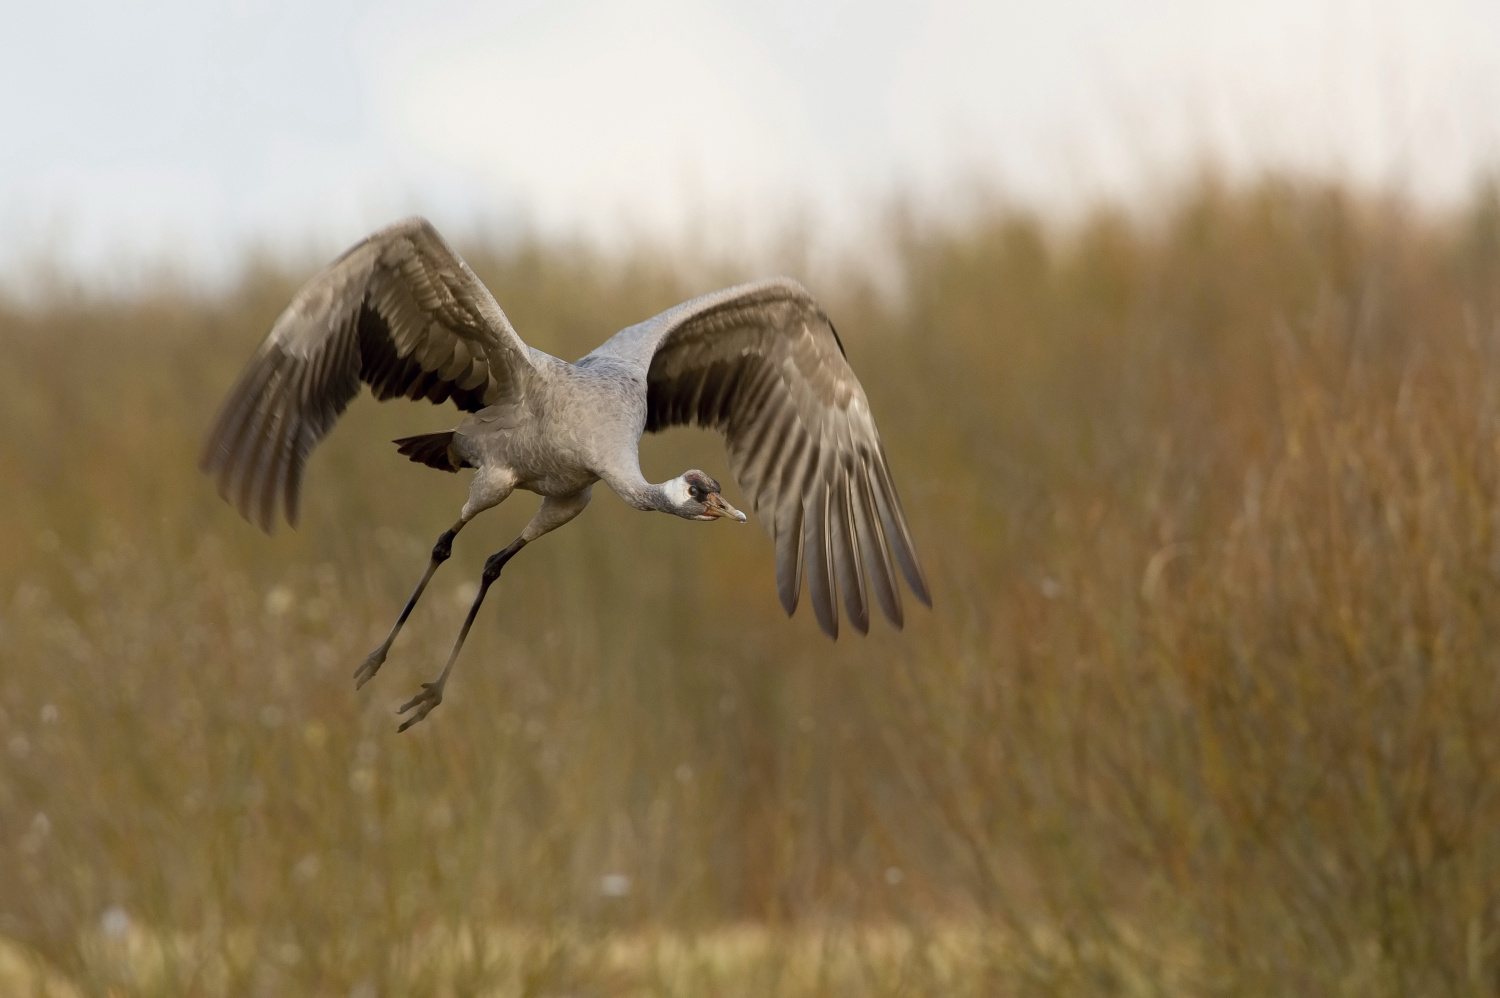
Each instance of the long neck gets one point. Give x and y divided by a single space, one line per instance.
639 493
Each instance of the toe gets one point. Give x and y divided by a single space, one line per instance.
368 668
430 696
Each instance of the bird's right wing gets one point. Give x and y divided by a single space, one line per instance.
762 364
401 312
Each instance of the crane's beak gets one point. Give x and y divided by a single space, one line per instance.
718 507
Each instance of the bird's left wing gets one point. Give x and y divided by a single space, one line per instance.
761 363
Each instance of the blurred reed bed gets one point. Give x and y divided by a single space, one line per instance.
1209 495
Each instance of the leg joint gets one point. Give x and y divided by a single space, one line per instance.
495 562
443 549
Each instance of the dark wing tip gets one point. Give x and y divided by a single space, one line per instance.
256 448
917 581
788 596
818 557
915 577
788 542
292 511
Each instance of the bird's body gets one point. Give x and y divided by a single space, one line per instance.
403 313
542 447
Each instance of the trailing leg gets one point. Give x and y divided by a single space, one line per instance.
441 551
431 693
490 487
553 514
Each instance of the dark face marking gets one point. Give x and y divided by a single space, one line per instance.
700 485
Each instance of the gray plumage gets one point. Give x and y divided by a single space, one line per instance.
760 362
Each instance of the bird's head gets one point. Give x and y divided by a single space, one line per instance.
695 496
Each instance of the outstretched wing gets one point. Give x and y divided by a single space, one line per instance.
401 312
762 363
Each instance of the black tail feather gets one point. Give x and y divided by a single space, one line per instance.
434 450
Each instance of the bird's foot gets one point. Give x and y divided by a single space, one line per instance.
430 696
371 665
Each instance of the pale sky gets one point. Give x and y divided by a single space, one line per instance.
187 131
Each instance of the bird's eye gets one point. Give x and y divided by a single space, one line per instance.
698 492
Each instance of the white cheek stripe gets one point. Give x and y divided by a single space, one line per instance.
677 491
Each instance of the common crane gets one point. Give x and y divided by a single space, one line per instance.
403 313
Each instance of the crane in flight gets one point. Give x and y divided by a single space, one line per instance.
403 313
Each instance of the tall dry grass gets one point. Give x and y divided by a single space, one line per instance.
1210 500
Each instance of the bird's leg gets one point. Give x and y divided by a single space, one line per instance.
440 553
432 693
555 511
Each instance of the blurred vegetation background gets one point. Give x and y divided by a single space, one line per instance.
1208 492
